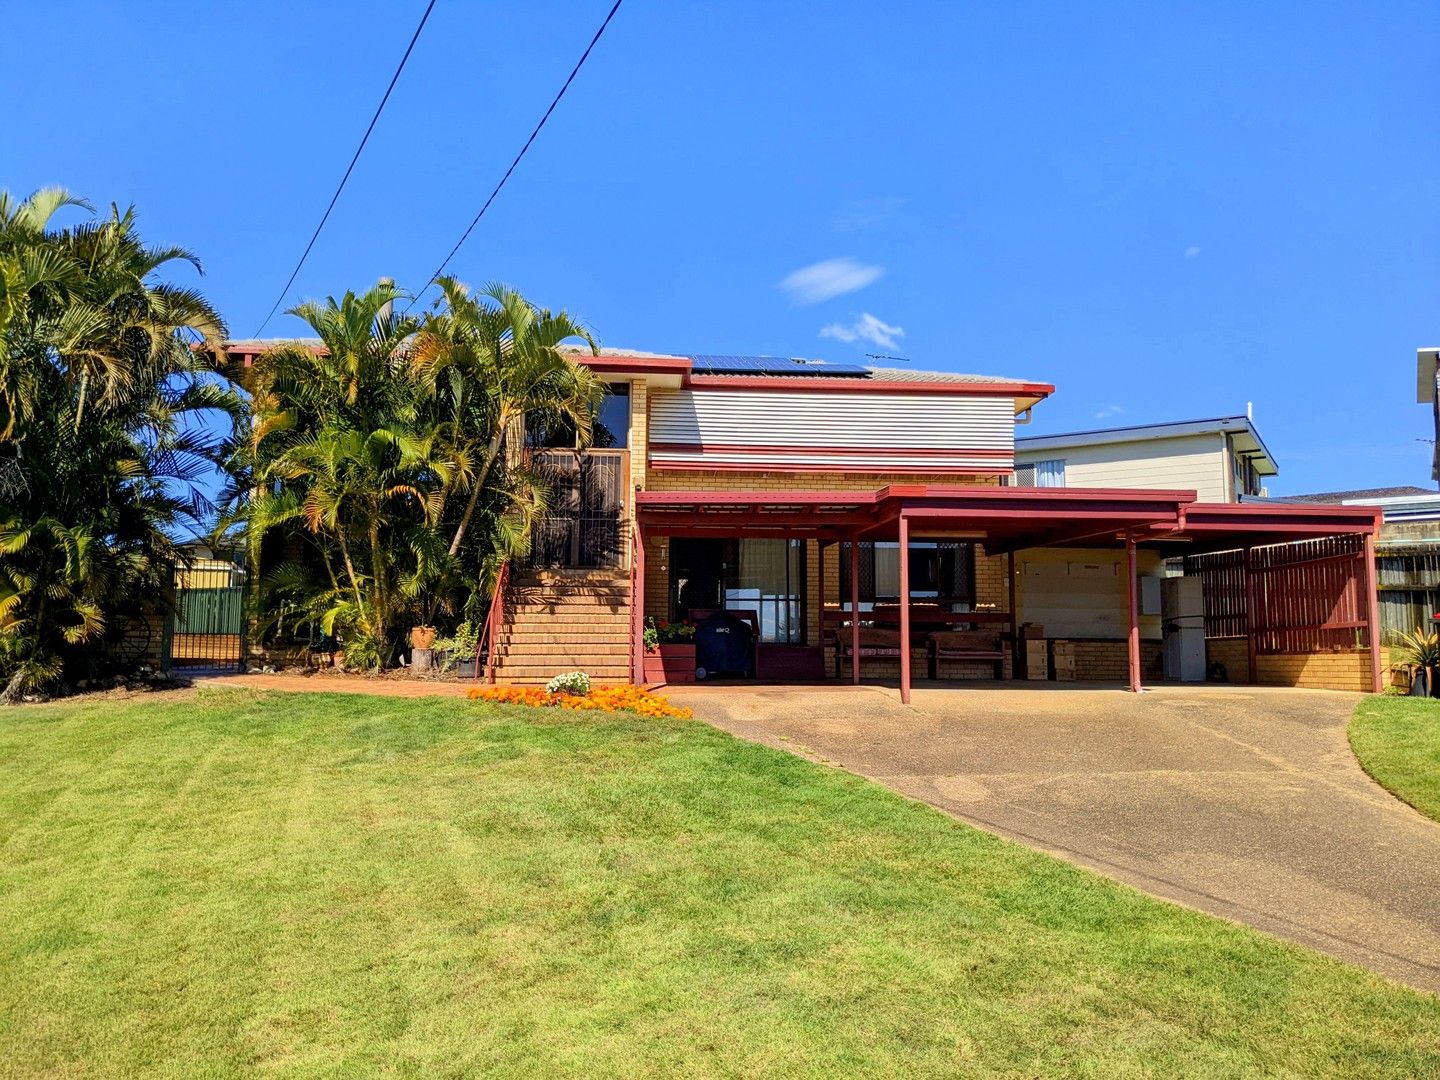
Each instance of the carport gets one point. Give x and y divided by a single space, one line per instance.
1333 592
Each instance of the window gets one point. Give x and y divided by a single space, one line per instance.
763 576
612 421
1049 473
610 429
942 571
768 581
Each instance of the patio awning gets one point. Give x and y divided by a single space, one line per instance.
1005 518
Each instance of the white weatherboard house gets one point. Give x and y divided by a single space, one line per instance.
1221 459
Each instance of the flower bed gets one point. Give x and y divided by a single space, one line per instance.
600 699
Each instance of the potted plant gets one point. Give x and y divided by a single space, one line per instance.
1421 648
669 651
457 652
422 637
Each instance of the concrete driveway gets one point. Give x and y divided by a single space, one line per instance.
1246 803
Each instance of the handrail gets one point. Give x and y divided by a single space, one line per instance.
492 620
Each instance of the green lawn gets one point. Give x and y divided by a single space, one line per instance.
331 885
1397 740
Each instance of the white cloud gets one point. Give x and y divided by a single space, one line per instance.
1191 251
1109 411
828 279
866 328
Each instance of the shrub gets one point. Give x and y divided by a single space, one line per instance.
571 682
608 699
1420 647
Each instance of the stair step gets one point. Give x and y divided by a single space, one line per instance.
539 639
546 653
540 618
545 674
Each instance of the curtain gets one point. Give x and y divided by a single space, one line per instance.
1050 473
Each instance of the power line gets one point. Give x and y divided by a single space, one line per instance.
358 150
471 228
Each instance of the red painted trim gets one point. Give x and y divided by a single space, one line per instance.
904 553
1372 615
755 448
1132 641
854 384
640 365
800 467
854 612
721 498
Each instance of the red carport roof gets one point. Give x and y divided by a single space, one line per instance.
1007 518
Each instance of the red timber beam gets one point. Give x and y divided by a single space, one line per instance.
1133 593
1372 615
854 611
904 610
637 606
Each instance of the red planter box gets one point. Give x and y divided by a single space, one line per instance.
670 664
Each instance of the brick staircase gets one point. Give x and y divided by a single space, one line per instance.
571 623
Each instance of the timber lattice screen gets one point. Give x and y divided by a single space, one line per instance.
1294 598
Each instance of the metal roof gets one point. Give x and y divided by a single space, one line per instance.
787 366
1241 426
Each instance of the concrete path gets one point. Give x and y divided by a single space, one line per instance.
1246 803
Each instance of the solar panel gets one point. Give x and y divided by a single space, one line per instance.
772 365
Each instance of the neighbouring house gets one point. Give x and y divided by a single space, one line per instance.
1407 553
865 523
1223 459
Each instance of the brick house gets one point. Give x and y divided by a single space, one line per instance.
865 522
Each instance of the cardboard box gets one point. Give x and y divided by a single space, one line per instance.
1030 631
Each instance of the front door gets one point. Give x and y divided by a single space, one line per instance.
697 575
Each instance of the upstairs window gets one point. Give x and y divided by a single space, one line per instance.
1047 474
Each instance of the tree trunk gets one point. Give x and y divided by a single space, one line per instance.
13 689
484 474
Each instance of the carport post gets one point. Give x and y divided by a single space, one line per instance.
1370 583
1134 640
854 612
904 610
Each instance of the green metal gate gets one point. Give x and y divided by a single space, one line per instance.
208 629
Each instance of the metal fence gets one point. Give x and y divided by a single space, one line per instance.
208 628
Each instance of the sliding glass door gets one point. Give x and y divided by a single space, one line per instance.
763 576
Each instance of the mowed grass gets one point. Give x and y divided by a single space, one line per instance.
239 883
1397 740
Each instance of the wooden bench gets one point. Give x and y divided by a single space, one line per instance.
874 642
976 645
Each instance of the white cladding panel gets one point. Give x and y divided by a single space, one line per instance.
1187 462
769 428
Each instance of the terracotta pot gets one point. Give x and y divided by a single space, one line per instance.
422 637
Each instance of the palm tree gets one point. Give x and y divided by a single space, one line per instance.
497 364
342 448
107 429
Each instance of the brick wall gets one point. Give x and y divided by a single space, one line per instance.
990 572
1345 670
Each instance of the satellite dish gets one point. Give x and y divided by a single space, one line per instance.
1425 361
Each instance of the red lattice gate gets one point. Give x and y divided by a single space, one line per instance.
1305 597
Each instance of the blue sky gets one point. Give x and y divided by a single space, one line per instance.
1166 210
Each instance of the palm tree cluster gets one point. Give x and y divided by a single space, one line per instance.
382 483
110 420
376 475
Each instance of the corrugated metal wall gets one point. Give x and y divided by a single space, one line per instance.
800 429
